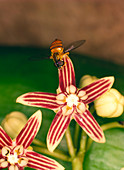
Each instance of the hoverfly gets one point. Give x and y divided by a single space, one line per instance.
58 52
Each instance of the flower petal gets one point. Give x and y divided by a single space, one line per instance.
39 99
21 168
97 88
5 140
38 161
57 130
15 167
3 162
90 126
30 130
66 74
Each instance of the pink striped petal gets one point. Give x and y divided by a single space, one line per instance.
30 130
97 88
21 168
41 162
66 74
39 99
90 126
57 130
5 140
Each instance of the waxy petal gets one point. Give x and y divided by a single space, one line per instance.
1 160
14 167
5 140
21 168
66 74
39 99
41 162
97 88
57 130
30 130
90 126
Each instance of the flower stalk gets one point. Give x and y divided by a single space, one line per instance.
56 154
77 164
78 161
76 135
111 125
83 143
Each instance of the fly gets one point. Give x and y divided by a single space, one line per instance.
58 52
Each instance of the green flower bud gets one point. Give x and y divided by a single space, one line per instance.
86 80
13 123
110 104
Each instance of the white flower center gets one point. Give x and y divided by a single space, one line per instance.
13 158
72 99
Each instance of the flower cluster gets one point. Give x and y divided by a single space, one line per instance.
15 153
70 103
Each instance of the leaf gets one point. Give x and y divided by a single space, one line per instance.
107 156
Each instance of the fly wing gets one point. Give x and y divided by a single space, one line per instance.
74 45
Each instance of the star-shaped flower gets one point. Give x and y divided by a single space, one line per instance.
14 153
71 103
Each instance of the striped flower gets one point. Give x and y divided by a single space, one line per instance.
71 103
14 153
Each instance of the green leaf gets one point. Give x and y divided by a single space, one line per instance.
107 156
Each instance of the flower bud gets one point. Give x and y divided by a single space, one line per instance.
13 123
110 104
86 80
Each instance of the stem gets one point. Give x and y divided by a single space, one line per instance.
83 142
105 127
111 125
56 154
77 163
82 149
89 142
76 134
69 143
38 142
